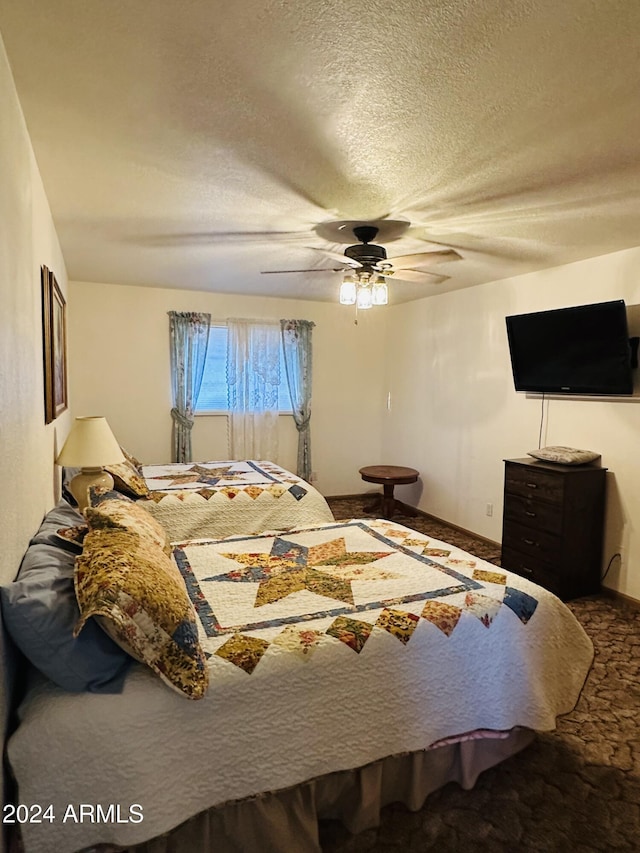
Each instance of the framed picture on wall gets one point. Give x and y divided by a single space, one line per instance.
54 336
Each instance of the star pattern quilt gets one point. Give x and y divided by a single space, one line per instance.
329 647
224 498
353 583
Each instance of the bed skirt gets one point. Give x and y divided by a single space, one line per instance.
287 821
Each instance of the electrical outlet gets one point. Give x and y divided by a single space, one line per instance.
489 510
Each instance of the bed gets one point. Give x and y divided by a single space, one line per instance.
226 497
349 664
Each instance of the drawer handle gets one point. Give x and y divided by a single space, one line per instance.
530 514
526 570
530 542
532 485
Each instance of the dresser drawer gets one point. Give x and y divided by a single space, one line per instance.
538 571
539 544
533 483
541 516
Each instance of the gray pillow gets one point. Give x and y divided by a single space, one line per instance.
40 611
564 455
62 515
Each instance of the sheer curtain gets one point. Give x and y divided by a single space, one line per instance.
253 376
189 335
296 341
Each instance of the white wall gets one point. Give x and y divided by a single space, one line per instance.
27 241
455 415
119 367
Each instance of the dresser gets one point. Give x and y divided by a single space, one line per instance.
553 524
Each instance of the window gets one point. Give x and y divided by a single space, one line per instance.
213 392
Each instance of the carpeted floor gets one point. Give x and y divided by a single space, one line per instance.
574 789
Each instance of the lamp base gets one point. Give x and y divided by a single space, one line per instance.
89 478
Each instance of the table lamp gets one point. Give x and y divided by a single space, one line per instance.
90 445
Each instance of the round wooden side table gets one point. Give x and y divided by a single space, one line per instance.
389 476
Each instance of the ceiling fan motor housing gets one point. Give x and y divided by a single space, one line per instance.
366 252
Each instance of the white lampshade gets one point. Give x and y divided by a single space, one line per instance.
89 446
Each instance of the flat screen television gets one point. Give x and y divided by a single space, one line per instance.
580 350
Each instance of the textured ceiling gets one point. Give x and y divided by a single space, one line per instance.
196 143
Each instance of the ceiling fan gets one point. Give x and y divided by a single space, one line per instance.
368 263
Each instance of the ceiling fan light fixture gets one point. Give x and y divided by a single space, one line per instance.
348 290
364 289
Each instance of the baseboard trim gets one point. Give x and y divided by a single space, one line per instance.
360 495
620 596
453 526
365 496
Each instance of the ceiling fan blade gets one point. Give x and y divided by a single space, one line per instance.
281 272
500 247
425 258
419 276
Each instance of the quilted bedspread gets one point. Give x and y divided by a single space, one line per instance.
329 647
224 498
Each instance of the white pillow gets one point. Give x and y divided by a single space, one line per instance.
565 455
